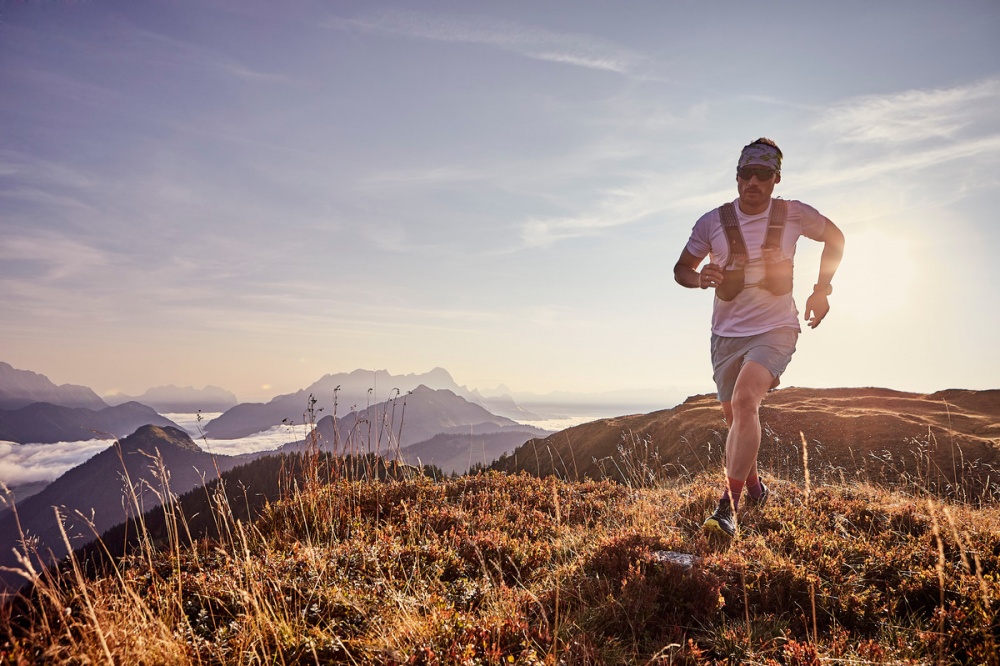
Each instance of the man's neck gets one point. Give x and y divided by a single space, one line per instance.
753 210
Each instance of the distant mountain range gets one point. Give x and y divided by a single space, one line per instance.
412 420
45 423
41 412
176 400
35 410
354 391
20 388
357 390
418 416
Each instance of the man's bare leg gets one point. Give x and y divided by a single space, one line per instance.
743 416
727 413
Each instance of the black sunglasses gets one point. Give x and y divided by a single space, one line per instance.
762 173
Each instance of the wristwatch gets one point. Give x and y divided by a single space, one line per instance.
825 289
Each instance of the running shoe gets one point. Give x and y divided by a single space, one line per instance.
722 521
765 492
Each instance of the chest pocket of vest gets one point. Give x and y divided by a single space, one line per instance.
777 274
732 283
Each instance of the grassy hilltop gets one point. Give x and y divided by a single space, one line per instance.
511 568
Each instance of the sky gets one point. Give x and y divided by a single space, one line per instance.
252 195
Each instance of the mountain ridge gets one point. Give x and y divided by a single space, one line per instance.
20 388
410 419
97 488
338 394
171 399
950 437
46 423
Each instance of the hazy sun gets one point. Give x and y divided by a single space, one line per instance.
876 276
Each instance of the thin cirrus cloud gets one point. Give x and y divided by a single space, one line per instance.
913 115
621 206
241 71
980 147
57 256
36 177
647 195
911 130
538 44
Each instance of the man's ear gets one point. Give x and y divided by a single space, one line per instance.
777 178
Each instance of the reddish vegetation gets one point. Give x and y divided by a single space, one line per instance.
515 569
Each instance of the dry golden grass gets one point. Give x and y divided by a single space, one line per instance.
500 568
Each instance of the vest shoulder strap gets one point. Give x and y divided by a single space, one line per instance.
775 224
731 225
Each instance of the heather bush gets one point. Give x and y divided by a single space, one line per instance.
383 567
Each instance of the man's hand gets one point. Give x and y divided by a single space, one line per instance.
686 272
711 276
817 307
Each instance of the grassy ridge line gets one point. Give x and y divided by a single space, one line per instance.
945 443
515 569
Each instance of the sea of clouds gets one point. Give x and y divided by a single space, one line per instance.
22 464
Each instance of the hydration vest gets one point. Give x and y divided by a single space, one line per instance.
777 270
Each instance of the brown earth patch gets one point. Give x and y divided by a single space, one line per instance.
946 442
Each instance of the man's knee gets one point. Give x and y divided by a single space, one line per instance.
751 387
746 403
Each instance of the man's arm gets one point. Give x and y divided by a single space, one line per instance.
687 275
818 304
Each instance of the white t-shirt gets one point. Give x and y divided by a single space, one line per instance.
755 310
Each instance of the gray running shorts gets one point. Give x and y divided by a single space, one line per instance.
772 349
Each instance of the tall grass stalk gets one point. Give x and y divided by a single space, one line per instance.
805 465
82 588
940 567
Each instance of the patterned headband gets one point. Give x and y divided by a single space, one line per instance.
760 154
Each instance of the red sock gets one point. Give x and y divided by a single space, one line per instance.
753 487
733 491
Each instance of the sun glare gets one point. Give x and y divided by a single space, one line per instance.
876 276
